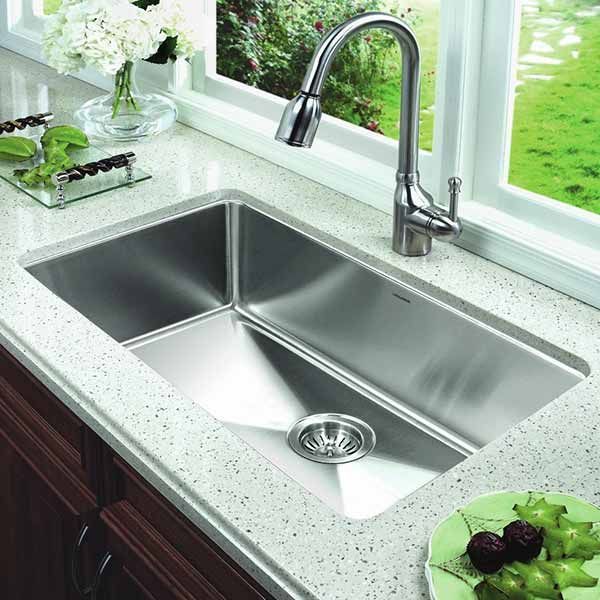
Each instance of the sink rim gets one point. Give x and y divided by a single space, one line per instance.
151 220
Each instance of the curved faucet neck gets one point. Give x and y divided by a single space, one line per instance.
411 77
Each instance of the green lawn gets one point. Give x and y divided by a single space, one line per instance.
387 92
556 135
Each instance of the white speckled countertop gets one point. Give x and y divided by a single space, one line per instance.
266 521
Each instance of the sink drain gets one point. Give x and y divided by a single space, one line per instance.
331 438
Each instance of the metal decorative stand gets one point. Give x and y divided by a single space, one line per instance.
92 169
41 119
85 183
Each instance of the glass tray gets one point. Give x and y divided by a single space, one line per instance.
76 190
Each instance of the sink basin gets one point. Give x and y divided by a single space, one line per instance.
355 385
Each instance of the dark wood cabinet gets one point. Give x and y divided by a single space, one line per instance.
56 476
39 522
121 584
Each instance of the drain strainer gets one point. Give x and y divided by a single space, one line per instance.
331 438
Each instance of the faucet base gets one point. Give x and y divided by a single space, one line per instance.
411 243
410 200
418 221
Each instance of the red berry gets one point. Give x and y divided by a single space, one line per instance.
319 26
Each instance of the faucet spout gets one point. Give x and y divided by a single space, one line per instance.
301 118
417 220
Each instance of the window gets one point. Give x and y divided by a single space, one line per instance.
556 129
50 6
510 99
269 44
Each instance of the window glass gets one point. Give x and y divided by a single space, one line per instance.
268 44
556 134
51 6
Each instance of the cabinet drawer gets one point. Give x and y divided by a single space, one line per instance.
26 403
216 571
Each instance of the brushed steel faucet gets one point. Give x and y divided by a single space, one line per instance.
417 219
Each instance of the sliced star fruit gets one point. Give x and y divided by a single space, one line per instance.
484 591
554 549
72 136
17 148
541 514
575 538
568 573
510 584
537 581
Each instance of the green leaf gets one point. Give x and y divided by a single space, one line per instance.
541 514
17 148
65 133
568 572
146 3
537 581
165 51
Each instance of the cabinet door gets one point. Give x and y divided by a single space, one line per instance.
118 583
198 564
141 565
39 525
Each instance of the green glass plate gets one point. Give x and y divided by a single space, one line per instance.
449 571
76 190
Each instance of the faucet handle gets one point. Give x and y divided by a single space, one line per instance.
454 187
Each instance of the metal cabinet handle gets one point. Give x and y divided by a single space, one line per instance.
96 586
75 562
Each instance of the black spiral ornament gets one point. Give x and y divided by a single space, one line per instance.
24 122
92 169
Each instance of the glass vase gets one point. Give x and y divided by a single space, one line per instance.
126 114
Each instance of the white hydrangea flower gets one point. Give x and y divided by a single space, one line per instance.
60 55
181 19
104 34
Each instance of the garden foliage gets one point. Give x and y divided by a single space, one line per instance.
269 43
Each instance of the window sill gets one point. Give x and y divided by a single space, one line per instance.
538 254
555 261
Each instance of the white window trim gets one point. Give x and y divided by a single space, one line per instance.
561 250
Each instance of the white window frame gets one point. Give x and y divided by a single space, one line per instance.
544 239
20 27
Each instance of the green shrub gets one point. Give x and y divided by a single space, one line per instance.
269 43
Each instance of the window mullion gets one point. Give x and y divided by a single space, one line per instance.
496 98
460 50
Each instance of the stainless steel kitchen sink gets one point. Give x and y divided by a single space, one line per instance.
355 385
